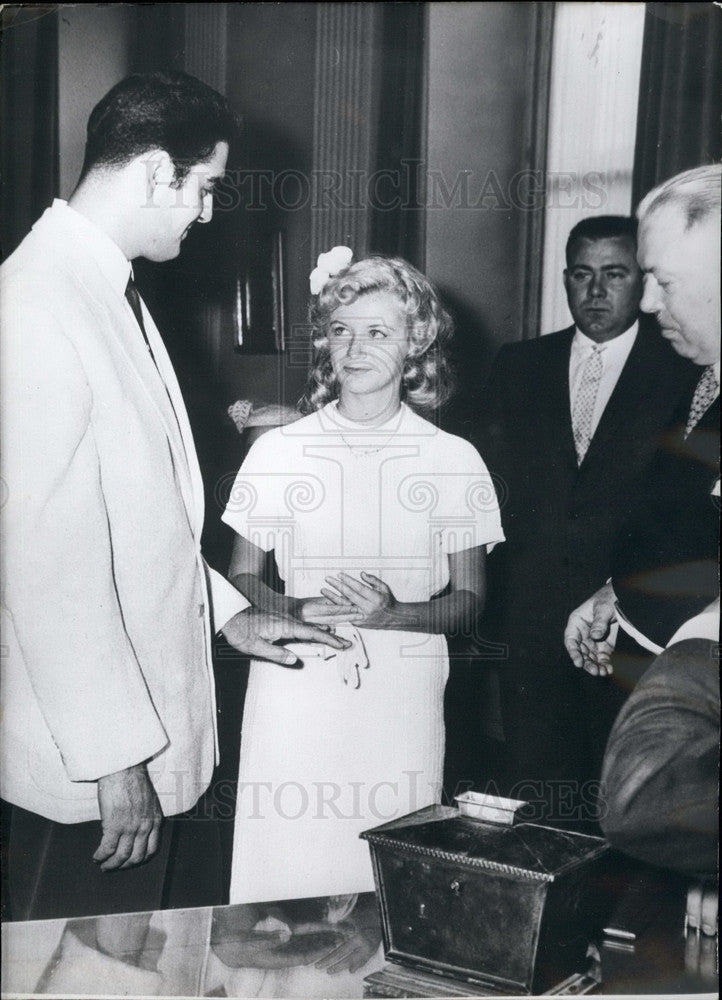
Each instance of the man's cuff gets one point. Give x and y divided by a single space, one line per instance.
226 601
638 636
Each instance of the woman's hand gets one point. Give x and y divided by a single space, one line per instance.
370 597
323 611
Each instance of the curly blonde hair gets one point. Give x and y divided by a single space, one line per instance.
427 381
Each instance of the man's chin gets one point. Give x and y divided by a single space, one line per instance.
599 332
160 256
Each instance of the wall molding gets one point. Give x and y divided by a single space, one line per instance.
344 125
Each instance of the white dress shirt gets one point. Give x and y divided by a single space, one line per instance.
614 357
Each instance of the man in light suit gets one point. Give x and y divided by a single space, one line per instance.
568 424
109 610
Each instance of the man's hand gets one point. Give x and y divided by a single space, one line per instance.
588 636
253 632
130 815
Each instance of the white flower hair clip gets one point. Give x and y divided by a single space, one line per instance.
327 265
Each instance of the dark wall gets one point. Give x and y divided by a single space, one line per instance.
485 93
271 51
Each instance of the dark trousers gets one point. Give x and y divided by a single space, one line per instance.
49 872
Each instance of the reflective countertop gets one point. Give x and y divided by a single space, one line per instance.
289 949
321 947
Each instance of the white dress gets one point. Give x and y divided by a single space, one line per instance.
348 741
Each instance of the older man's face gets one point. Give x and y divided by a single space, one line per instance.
682 281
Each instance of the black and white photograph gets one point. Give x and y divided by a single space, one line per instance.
360 499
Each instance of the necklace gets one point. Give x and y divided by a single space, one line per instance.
379 439
358 449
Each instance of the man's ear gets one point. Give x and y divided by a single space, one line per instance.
159 169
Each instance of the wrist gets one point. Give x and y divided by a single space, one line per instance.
292 607
221 632
119 776
399 617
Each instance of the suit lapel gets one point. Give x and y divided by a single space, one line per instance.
150 377
625 397
182 423
154 376
553 398
122 334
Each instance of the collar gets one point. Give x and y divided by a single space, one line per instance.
618 345
105 252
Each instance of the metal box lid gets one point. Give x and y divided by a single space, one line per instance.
527 850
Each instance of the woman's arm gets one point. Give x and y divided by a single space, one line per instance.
455 612
246 571
248 563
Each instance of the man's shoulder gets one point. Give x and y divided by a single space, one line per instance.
45 273
37 257
548 343
655 355
522 359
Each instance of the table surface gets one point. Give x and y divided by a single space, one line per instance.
273 950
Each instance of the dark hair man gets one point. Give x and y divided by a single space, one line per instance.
108 606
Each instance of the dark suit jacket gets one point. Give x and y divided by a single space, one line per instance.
560 520
665 568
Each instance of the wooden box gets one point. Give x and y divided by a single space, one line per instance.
508 909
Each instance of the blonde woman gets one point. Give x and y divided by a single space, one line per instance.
378 523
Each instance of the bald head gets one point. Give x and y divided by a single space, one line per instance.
679 253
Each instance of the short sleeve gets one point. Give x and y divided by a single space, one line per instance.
467 510
254 504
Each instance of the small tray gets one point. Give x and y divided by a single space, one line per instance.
489 808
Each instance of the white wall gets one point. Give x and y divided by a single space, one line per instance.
94 54
592 128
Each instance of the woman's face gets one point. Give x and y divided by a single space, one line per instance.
368 343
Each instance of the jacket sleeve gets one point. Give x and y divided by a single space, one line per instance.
225 599
491 430
665 564
661 766
59 588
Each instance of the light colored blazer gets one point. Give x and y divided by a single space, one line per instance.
106 598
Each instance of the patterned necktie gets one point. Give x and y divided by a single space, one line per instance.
704 396
131 294
584 402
